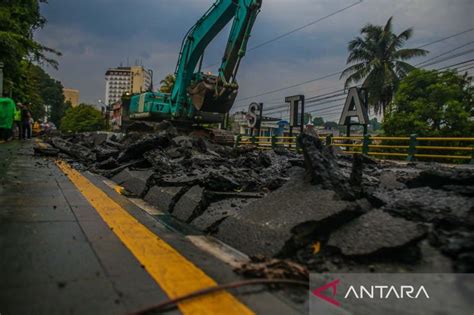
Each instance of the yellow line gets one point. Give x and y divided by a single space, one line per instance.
175 274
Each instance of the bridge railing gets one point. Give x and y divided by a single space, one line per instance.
410 148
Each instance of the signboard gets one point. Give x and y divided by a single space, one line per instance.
354 108
296 110
254 115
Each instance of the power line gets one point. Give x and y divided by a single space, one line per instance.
321 110
445 38
326 94
293 86
430 64
305 26
307 104
471 67
456 64
296 29
445 53
466 52
275 110
314 103
338 73
314 98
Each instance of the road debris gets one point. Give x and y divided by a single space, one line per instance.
363 214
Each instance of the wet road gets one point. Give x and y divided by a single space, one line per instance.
71 244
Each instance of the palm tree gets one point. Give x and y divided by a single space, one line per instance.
167 83
379 62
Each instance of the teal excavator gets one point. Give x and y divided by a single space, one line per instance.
199 97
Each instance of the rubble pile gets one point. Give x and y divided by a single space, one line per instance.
365 215
417 217
196 180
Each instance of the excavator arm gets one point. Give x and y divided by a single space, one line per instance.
245 17
207 92
196 96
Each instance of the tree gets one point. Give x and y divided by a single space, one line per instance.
18 22
374 124
432 103
318 121
329 125
380 62
167 83
82 118
39 89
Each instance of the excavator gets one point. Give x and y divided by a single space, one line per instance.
198 97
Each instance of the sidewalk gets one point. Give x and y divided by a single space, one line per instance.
56 254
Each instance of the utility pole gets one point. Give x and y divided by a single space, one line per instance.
1 79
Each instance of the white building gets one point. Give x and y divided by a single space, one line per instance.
125 79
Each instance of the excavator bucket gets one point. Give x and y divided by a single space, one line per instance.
208 95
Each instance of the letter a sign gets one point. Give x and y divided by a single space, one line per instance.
354 107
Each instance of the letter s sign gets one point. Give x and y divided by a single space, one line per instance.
253 115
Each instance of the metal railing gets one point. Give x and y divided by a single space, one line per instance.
410 148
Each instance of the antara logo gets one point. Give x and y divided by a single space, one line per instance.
371 292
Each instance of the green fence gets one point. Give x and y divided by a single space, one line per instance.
410 148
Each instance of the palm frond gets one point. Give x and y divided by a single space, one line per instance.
352 69
408 53
403 68
388 26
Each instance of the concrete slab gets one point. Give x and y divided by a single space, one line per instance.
375 231
188 203
163 198
135 182
217 212
267 225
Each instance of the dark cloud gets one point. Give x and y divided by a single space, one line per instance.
96 34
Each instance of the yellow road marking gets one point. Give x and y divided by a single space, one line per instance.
175 274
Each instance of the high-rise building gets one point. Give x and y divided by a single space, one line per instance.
72 96
125 79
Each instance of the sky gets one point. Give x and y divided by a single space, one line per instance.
94 35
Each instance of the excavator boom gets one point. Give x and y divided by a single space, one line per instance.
197 96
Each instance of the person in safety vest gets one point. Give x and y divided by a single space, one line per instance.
17 124
7 115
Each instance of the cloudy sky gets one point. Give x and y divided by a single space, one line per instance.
94 35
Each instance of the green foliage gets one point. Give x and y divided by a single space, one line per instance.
39 89
380 62
374 124
82 118
318 121
331 125
18 21
167 83
432 103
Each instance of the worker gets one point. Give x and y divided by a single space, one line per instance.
311 130
7 115
17 124
26 123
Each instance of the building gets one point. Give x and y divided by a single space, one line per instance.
72 96
122 80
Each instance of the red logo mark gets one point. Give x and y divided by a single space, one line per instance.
333 285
